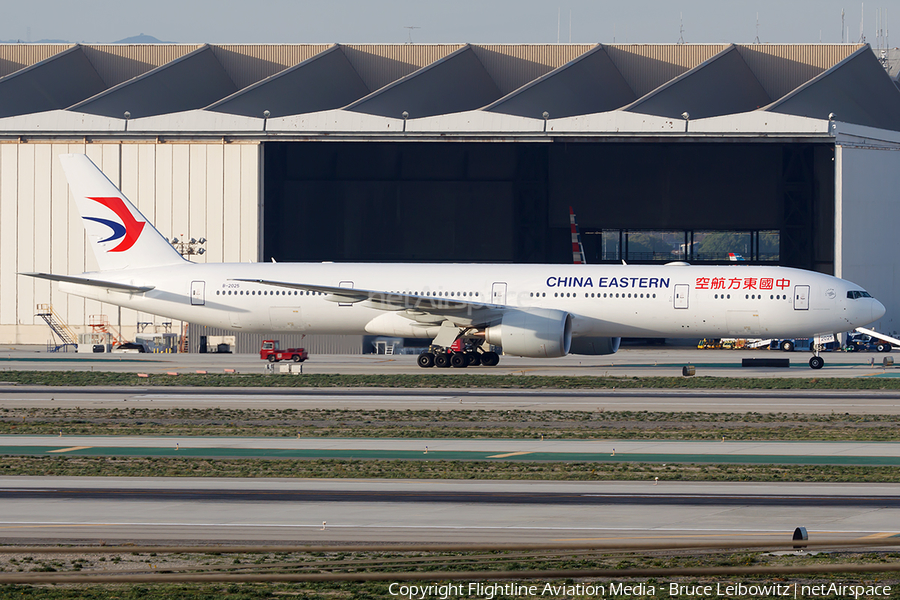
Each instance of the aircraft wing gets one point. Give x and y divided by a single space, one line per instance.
109 285
424 309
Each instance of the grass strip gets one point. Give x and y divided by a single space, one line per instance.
510 562
448 424
449 380
94 466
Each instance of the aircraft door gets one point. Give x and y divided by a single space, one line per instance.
682 291
498 293
801 297
345 284
198 293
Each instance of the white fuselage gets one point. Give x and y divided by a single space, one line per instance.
603 300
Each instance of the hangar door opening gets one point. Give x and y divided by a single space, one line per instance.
509 201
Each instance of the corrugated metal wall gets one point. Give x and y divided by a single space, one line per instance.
191 190
18 56
867 179
513 65
645 67
781 68
381 64
249 343
116 63
247 64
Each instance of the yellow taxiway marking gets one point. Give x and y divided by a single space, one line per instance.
879 536
70 449
509 454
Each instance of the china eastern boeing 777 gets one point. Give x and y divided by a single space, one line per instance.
527 310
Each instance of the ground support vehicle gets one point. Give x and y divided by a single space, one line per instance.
272 353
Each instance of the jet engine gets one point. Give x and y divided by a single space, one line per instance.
595 345
536 333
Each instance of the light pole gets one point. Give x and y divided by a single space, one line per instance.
189 247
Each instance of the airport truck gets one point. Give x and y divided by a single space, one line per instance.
860 342
272 353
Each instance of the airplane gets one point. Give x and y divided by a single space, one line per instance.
466 310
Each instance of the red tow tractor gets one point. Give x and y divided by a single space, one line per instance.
272 353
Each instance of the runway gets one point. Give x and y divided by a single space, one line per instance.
858 402
600 451
228 510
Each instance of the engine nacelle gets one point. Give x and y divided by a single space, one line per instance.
595 345
535 332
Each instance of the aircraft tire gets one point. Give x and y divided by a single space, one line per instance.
459 360
272 358
442 360
474 359
816 362
490 359
787 346
425 360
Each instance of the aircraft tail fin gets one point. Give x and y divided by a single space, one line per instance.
120 236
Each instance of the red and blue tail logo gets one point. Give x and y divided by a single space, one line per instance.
128 229
122 238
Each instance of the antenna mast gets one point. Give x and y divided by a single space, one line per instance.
756 41
862 14
410 27
681 29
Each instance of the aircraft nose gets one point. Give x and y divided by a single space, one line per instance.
878 309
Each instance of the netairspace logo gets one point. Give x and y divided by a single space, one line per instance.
608 590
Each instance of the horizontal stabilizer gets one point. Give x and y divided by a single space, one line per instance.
109 285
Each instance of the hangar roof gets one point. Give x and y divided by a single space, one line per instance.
172 87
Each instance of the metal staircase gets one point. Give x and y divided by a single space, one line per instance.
100 324
61 331
184 346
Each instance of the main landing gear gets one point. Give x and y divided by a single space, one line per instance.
442 358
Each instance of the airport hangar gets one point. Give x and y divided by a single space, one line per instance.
449 153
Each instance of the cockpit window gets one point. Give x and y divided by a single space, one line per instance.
854 294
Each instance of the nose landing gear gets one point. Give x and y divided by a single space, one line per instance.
816 362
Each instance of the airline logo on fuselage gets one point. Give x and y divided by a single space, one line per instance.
128 229
741 283
700 283
608 282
